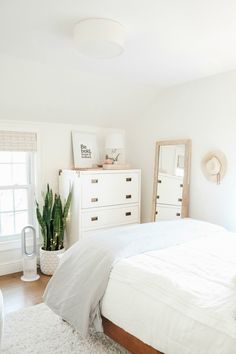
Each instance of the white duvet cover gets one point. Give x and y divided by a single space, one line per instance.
180 300
77 287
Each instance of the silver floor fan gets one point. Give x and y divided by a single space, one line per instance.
29 259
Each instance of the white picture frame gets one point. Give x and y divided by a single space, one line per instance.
85 149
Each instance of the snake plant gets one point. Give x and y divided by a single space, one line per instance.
52 220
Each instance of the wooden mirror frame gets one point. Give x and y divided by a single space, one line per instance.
187 165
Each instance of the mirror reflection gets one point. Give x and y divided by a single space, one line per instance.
171 181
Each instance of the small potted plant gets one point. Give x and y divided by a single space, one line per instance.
52 220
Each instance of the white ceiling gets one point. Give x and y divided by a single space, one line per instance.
168 42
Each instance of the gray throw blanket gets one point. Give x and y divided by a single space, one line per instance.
78 285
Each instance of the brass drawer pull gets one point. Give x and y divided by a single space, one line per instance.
128 179
178 214
128 213
180 200
159 181
128 196
94 180
181 185
94 200
158 196
94 218
156 212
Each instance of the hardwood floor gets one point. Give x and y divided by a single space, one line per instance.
18 294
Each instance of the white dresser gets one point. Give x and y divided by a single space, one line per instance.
101 199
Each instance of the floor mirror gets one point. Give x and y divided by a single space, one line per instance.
171 180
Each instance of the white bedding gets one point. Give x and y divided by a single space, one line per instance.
77 287
180 300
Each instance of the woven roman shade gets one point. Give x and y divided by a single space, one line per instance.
17 141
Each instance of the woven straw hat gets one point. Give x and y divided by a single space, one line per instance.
214 166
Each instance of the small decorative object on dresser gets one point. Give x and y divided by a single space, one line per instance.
101 199
52 221
85 150
114 147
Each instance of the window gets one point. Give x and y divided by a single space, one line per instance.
16 192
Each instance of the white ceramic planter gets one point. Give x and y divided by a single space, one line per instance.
49 260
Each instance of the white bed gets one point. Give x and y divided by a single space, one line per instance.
172 285
179 300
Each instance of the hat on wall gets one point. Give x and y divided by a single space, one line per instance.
214 166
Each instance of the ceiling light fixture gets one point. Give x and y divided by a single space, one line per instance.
99 37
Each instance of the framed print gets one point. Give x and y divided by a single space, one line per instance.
85 150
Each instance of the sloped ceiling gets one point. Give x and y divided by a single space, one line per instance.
35 91
169 42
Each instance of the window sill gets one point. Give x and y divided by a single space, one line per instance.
14 244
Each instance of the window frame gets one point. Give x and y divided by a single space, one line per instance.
30 188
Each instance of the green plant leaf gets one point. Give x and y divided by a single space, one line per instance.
67 208
52 219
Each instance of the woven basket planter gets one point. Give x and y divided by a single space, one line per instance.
49 260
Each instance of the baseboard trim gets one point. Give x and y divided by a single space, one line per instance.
11 267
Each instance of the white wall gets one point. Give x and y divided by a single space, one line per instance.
35 91
54 153
55 146
204 111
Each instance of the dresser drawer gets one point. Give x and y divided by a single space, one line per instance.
170 190
98 218
167 212
99 190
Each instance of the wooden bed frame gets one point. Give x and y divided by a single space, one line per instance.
126 340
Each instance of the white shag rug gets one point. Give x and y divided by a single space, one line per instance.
37 330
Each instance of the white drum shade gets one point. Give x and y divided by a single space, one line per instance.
99 38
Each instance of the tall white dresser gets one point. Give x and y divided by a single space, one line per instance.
101 199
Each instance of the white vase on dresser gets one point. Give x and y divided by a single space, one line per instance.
101 199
